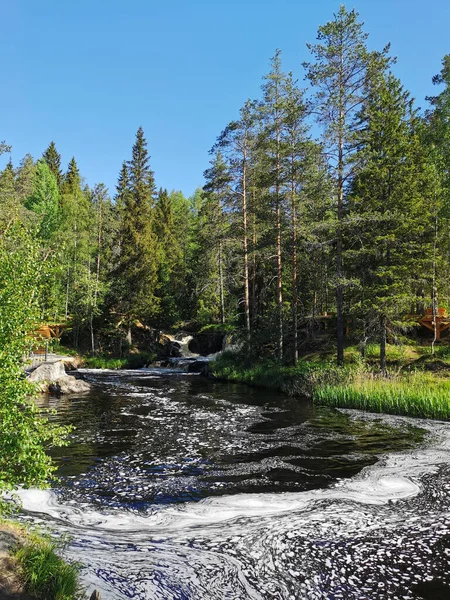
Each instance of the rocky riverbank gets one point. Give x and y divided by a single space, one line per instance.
52 378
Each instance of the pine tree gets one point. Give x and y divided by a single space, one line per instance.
53 160
340 74
274 147
236 143
218 192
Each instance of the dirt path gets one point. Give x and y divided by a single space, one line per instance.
10 586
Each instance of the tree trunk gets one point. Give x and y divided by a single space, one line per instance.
278 226
99 246
254 311
294 274
245 244
222 303
383 344
435 292
129 339
92 335
339 265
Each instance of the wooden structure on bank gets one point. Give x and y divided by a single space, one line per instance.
442 321
49 331
44 333
427 320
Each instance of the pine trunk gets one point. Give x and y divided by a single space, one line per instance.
245 245
294 274
383 344
339 262
222 303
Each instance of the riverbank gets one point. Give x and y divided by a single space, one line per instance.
31 568
416 384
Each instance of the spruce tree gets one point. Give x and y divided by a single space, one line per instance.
390 205
72 179
136 272
53 160
25 177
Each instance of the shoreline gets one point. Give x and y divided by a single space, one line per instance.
416 393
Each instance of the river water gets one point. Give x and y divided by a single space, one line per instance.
177 487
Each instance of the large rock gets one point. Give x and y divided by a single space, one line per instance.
199 366
52 378
48 372
69 385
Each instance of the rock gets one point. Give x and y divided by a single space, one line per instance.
69 385
95 595
199 366
48 372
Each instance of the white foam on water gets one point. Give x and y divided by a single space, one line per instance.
141 555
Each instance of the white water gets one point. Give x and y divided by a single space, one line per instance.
249 545
152 442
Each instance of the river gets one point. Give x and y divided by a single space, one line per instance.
177 487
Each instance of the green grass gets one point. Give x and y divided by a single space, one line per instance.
46 575
132 361
294 381
417 394
395 353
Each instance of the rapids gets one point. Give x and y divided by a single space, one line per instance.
176 487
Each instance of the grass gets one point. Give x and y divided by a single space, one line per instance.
132 361
45 575
417 393
294 381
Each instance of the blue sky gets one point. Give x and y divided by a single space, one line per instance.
87 73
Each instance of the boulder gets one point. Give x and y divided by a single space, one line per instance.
48 372
199 366
52 378
69 385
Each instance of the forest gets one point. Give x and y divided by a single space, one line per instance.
327 196
318 240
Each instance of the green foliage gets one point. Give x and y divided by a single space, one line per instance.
24 434
294 381
53 160
46 575
132 361
416 395
135 274
44 201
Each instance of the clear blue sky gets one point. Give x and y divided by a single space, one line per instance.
87 73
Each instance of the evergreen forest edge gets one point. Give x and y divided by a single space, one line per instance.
353 226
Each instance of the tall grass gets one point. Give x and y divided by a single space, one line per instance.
45 574
294 381
416 394
132 361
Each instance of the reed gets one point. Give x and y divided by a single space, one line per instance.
415 394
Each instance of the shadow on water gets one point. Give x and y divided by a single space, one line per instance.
149 445
142 439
